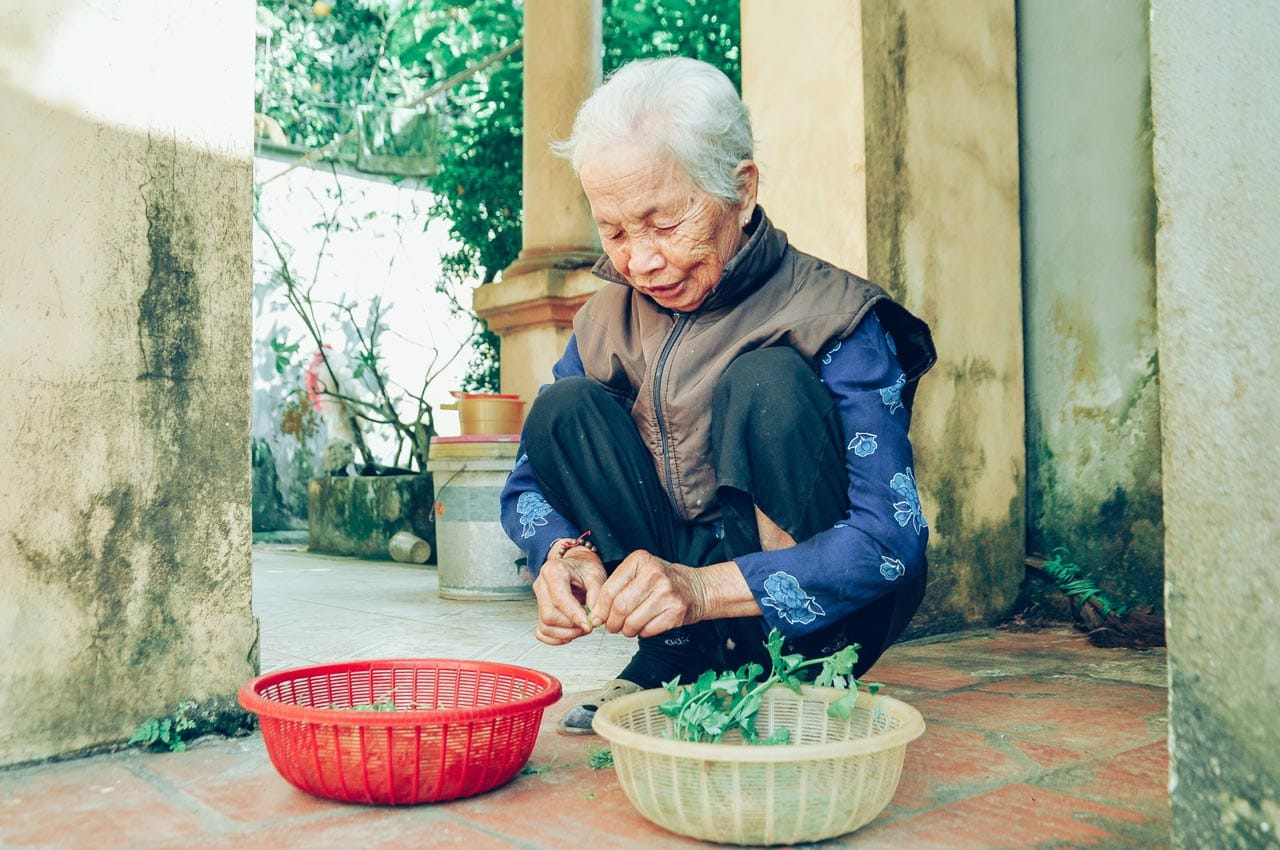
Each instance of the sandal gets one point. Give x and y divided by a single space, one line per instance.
577 720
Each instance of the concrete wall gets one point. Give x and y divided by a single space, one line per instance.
1214 72
1088 216
125 188
900 127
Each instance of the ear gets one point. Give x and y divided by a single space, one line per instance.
747 177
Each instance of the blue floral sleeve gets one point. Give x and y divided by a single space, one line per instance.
527 518
880 543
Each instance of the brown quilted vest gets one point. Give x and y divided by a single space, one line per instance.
664 365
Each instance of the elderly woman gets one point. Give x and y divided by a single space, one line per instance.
729 419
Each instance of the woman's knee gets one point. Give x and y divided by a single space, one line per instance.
762 369
565 396
777 385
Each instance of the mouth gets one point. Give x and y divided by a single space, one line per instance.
666 289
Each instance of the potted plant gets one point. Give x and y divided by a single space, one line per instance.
375 481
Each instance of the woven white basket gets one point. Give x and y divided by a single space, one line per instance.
835 776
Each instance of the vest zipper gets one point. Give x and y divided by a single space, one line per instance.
682 320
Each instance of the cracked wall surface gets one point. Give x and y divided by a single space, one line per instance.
125 284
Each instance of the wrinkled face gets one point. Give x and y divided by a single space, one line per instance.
667 237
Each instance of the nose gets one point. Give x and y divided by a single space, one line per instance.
645 257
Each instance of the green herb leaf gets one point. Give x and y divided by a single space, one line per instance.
717 703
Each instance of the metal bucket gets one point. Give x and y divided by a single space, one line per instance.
474 558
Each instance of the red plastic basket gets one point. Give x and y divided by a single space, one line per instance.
458 728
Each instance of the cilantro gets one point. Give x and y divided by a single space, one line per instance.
717 703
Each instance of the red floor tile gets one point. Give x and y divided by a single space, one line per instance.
924 675
1094 717
245 790
98 804
947 763
574 801
1138 779
1047 758
1016 816
352 827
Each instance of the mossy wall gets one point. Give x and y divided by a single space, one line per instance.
1089 278
942 236
358 516
124 516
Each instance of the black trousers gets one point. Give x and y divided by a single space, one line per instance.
776 443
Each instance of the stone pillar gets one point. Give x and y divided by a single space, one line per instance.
125 280
936 87
1216 119
532 307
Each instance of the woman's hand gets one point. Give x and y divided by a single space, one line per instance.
646 596
564 585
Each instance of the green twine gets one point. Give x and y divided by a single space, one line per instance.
1069 578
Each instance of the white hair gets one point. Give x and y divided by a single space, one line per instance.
684 106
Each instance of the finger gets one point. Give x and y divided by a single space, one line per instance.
642 575
604 599
592 598
557 605
556 636
654 617
568 601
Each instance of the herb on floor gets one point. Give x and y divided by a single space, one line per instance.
165 733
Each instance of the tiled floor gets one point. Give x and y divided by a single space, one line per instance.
1034 740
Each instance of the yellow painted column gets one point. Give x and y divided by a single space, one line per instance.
888 144
808 122
532 306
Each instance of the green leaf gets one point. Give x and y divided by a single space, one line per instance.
705 681
147 732
779 736
843 707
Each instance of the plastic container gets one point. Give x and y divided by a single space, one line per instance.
836 776
408 548
457 728
487 413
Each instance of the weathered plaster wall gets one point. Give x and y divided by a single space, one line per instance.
1216 117
901 131
125 167
943 236
1088 217
811 154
